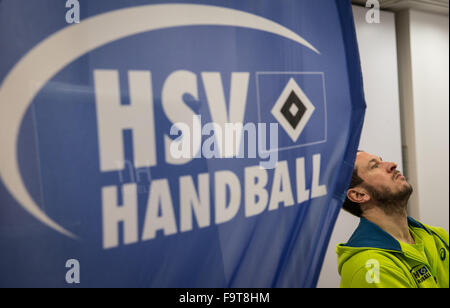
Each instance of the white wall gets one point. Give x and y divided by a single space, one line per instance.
381 133
424 75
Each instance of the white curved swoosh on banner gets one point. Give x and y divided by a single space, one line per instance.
50 56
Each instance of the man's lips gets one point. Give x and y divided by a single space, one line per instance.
399 175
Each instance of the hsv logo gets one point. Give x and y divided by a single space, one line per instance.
421 274
297 101
293 109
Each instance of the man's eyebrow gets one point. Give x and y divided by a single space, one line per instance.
374 160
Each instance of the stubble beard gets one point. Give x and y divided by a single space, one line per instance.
391 203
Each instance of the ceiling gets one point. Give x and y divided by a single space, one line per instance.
435 6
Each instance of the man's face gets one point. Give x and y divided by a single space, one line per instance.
384 183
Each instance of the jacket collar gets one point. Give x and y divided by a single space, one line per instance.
416 224
370 235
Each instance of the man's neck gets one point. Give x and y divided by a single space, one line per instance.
395 224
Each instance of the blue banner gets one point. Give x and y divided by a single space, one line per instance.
174 143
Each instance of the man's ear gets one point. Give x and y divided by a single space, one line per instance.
358 195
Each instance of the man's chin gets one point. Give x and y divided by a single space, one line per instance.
409 188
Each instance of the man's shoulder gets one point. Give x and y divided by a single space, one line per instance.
440 232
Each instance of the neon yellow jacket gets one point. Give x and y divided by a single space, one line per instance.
374 259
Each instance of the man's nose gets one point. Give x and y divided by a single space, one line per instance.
391 167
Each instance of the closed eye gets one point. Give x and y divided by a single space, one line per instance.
375 162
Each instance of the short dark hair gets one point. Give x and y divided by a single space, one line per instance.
350 206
